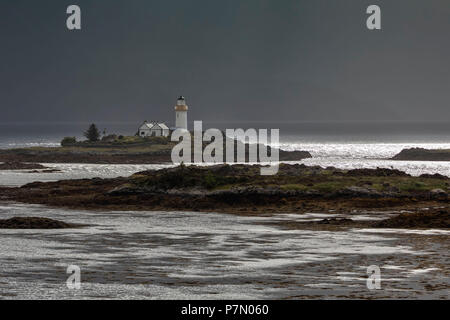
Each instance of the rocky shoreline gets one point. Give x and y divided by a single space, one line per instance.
150 153
240 189
32 167
425 218
22 166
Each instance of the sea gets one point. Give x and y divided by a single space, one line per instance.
191 255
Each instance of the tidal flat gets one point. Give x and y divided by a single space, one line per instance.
209 255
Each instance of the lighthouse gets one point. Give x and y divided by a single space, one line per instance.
181 114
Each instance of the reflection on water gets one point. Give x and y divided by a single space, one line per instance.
185 255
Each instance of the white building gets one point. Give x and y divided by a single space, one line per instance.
153 129
181 110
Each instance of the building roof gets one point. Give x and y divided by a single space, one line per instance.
163 126
153 125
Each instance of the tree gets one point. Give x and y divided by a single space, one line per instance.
92 134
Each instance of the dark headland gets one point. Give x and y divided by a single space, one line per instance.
420 154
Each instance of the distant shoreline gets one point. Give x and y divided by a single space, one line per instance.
136 150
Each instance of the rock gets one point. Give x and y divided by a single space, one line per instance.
44 171
438 194
34 223
21 166
335 221
378 172
51 171
433 176
32 185
125 190
439 218
355 191
420 154
393 189
293 155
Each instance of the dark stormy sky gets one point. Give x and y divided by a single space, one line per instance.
234 60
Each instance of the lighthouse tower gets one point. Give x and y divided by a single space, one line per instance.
181 114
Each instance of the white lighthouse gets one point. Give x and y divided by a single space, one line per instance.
181 110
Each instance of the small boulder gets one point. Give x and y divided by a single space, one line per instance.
336 221
438 194
125 189
355 191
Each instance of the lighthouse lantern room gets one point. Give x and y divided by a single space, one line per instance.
181 114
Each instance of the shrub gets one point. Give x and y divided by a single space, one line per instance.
67 141
110 138
210 181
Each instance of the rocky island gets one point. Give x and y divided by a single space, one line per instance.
116 150
420 154
240 189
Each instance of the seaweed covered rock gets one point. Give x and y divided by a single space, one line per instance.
15 165
378 172
420 154
438 218
438 194
34 223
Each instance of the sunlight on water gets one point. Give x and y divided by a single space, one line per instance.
180 255
74 171
361 150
